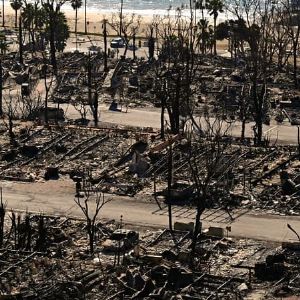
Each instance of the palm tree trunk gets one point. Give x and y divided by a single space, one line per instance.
52 45
215 41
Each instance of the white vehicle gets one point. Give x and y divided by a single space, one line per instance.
117 43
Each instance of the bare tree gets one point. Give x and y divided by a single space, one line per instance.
52 9
31 104
244 108
91 205
80 105
280 39
292 23
206 162
48 84
255 17
11 112
127 26
176 69
93 100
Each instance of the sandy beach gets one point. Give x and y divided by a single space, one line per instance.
94 20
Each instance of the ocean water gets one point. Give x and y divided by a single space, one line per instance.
140 7
146 7
156 5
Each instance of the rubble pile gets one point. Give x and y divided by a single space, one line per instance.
127 162
73 81
48 257
69 150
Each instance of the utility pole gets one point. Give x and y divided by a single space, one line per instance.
85 26
121 18
105 45
3 14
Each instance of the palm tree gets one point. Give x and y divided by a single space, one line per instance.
16 5
204 35
215 7
76 4
200 4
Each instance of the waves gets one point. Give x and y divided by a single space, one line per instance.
143 7
136 4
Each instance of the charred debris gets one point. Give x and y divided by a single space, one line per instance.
187 160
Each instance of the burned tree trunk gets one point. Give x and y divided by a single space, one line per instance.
151 45
89 80
1 86
52 40
170 180
42 234
133 43
197 231
94 108
105 45
10 129
2 217
91 234
295 54
243 129
20 41
44 70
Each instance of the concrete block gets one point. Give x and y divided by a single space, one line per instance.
216 231
184 226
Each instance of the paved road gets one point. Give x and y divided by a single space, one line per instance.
150 117
45 198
